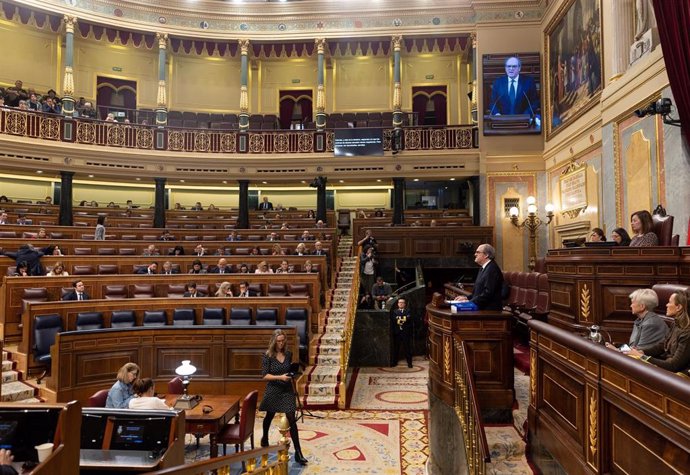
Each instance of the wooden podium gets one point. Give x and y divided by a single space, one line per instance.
516 124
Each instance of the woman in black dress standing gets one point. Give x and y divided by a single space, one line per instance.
279 395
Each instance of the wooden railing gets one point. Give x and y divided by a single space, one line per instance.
467 409
347 336
57 128
255 461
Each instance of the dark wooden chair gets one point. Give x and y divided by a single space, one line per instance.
98 398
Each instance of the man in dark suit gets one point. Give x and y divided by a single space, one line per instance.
78 293
265 205
222 267
151 269
29 254
245 291
402 332
191 291
488 288
168 269
514 93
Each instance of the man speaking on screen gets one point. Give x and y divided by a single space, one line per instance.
515 93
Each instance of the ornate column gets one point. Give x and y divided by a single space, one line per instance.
397 88
623 15
68 80
243 219
65 218
398 201
244 79
473 84
162 99
320 88
159 205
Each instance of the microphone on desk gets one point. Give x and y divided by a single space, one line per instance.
529 103
491 112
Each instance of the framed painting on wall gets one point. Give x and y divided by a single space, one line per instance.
574 62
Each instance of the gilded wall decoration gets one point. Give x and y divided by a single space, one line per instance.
585 303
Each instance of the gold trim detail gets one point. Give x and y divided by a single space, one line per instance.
50 129
585 303
446 358
397 43
161 97
593 423
244 100
533 378
397 97
68 81
162 40
244 47
70 23
320 45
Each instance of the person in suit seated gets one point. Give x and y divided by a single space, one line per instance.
192 292
222 267
200 251
77 293
642 225
306 236
673 353
144 398
265 205
649 328
168 269
233 237
151 269
245 291
488 287
514 93
197 268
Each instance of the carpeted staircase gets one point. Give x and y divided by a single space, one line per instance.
321 389
14 389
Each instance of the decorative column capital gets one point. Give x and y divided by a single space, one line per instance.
320 45
70 22
162 40
397 43
244 47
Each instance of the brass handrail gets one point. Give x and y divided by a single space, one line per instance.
346 337
467 410
255 462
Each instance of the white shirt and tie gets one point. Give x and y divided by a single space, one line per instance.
80 296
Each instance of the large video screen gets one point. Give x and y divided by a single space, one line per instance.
512 93
358 142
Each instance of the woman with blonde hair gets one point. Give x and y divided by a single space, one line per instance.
121 392
301 249
263 268
58 270
278 250
225 290
672 354
279 395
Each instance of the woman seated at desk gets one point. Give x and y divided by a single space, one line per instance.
121 392
620 236
642 225
145 399
672 354
649 329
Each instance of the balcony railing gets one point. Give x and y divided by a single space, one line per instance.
58 128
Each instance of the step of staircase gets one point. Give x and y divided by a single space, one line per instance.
15 391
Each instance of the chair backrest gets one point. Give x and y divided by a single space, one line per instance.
105 251
277 290
142 291
89 320
240 316
248 414
45 329
83 270
663 228
109 269
297 317
543 297
112 292
664 292
176 290
266 316
127 251
122 319
175 386
154 318
298 290
82 251
35 294
214 316
98 398
184 316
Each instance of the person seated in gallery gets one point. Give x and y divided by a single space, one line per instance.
222 267
151 250
122 391
168 269
233 237
301 249
263 268
673 353
642 225
620 236
284 268
649 329
597 235
78 292
278 250
197 207
381 291
192 292
197 268
144 398
176 251
167 236
22 270
151 269
308 268
58 270
244 269
224 290
245 291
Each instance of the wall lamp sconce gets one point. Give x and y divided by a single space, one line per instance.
532 222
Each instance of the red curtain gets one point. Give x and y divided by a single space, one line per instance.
673 20
421 95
